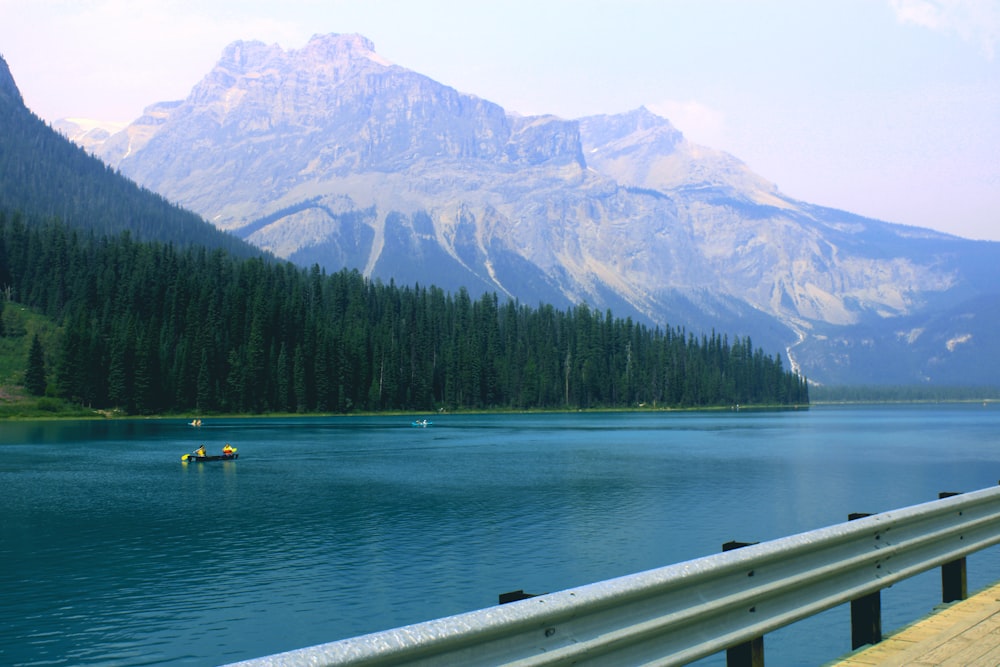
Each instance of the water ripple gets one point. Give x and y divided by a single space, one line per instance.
361 525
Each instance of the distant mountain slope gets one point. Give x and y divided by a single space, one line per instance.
45 175
88 134
331 154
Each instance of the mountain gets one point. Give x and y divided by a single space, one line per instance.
45 176
87 133
332 155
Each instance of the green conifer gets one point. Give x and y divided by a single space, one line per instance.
34 375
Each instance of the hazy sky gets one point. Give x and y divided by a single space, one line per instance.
886 108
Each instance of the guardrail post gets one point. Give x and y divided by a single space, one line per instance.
954 582
866 611
751 653
514 596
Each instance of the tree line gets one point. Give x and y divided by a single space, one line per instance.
903 393
151 328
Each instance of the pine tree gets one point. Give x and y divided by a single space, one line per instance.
34 376
204 401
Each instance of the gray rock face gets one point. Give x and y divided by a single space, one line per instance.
332 155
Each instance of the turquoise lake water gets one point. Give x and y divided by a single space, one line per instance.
114 552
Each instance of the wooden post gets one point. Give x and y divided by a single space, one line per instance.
866 611
751 653
954 582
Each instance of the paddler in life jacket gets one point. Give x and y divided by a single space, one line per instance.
228 450
200 451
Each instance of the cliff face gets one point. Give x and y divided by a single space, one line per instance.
332 155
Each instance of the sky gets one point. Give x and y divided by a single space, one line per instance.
884 108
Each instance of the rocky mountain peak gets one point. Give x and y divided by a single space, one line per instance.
607 129
264 85
248 56
254 56
343 48
328 110
641 149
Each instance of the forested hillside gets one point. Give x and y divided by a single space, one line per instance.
152 328
46 176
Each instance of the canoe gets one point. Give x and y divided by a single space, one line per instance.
202 459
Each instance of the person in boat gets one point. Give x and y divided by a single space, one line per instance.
200 451
228 450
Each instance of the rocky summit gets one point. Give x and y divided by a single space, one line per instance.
332 155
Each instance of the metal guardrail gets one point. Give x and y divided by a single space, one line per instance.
680 613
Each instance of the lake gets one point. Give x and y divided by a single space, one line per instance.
114 552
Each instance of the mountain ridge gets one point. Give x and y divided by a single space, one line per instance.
330 154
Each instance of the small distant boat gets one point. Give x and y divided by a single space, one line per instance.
422 423
202 459
225 456
194 422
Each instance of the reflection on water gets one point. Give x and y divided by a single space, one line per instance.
114 552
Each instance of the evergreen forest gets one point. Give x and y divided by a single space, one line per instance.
150 328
